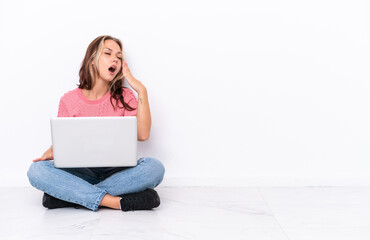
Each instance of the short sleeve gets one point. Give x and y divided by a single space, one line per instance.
62 111
131 100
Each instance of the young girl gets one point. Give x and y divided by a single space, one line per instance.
100 93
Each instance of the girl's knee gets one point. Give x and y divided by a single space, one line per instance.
156 165
37 170
156 168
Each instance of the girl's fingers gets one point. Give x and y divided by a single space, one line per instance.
39 159
124 67
43 158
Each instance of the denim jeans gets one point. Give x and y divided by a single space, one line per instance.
88 186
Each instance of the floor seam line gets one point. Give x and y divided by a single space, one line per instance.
273 214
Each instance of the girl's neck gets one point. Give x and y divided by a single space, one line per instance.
98 90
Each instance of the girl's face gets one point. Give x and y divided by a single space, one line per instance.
110 61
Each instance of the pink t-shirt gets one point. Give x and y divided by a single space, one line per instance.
75 104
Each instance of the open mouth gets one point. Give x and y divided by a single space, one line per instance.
112 69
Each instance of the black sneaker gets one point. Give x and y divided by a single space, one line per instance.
145 200
52 202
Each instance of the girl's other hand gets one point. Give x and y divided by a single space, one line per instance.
48 155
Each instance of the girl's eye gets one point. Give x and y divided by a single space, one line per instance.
107 53
120 58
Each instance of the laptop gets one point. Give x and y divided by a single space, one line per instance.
94 141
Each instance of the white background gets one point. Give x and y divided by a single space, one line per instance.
250 93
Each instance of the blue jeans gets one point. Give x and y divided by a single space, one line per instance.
88 186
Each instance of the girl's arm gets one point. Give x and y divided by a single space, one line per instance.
144 120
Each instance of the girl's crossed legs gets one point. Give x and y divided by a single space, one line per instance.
91 187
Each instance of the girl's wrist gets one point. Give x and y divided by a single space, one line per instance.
141 91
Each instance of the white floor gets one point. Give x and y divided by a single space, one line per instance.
198 213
